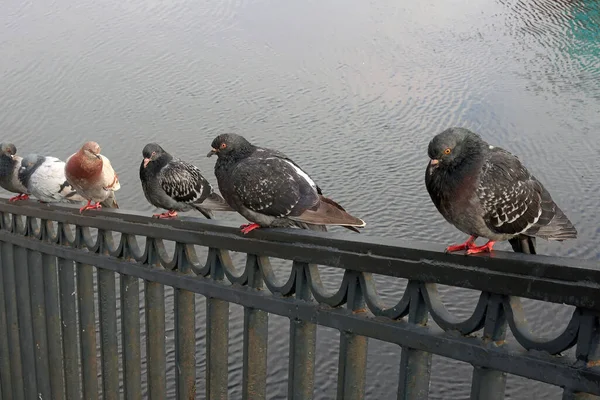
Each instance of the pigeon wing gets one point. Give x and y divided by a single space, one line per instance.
183 182
109 176
274 186
510 196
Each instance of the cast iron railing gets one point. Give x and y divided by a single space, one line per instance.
51 260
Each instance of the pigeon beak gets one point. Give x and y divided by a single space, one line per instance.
146 161
98 156
211 152
434 163
12 156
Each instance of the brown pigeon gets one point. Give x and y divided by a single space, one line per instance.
92 176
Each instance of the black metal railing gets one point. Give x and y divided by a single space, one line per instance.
52 260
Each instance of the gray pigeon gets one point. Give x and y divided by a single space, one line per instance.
176 185
485 191
45 179
269 189
10 164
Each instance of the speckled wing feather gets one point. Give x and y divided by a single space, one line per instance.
183 182
273 186
515 202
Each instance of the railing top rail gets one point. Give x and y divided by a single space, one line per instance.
560 280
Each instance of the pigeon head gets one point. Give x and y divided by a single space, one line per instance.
452 146
151 152
230 145
91 150
29 162
8 149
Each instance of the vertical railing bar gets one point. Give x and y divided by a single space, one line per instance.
21 266
185 335
66 272
489 384
130 331
256 335
53 326
352 366
107 306
155 330
303 338
217 340
5 376
415 365
87 330
155 340
12 322
38 318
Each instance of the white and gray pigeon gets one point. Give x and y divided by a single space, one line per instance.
270 190
10 164
176 185
486 192
45 179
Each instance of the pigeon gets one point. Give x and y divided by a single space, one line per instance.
270 190
10 164
44 178
485 191
176 185
92 176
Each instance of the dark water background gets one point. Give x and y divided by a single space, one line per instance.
352 90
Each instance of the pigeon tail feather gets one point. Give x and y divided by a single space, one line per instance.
559 228
213 202
328 213
523 244
207 213
110 202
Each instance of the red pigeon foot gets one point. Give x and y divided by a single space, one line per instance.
469 244
165 215
486 248
249 227
89 206
21 196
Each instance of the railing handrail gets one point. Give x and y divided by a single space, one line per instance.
555 279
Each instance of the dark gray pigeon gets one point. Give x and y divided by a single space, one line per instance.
486 192
176 185
270 190
10 164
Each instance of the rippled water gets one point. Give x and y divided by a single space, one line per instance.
352 90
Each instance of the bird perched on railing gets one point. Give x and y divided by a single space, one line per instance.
10 164
93 177
485 191
270 190
176 185
44 178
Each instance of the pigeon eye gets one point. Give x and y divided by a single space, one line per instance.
153 154
447 151
223 145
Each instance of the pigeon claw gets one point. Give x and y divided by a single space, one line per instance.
90 206
469 244
166 215
486 248
21 196
249 228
